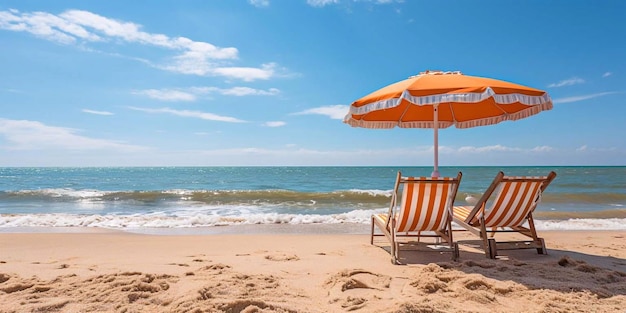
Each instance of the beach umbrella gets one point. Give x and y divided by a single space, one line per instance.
437 99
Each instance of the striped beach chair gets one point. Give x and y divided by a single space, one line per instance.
425 210
506 206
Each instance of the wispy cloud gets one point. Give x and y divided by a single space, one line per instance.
83 27
542 149
498 148
166 94
583 97
260 3
192 114
487 149
274 124
97 112
336 112
568 82
321 3
192 93
244 73
33 135
607 74
585 148
235 91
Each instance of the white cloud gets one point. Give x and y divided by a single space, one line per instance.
607 74
568 82
259 3
246 91
45 25
495 149
193 114
585 148
583 97
246 73
97 112
336 112
82 27
166 94
236 91
499 148
274 124
321 3
542 149
191 94
33 135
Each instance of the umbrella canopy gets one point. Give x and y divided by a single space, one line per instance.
436 99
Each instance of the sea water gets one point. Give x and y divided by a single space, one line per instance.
148 198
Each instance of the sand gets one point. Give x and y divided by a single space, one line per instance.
106 271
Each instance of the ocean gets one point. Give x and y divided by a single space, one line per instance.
149 199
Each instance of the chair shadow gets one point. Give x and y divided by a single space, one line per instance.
560 270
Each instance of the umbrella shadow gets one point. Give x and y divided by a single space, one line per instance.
560 270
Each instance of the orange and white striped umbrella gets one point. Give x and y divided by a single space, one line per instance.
436 99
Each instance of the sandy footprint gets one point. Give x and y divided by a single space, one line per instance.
353 289
251 306
215 269
229 291
282 257
4 277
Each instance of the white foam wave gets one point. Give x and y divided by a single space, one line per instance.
179 192
582 224
373 192
163 220
66 192
208 219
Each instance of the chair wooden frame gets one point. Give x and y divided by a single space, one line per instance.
513 206
426 206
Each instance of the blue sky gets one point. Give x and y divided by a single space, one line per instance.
238 82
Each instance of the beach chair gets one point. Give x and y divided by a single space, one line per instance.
506 206
425 210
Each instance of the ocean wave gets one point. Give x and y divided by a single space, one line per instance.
374 196
207 197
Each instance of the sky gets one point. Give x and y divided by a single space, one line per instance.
268 82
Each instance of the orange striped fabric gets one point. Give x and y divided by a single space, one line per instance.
462 212
425 203
516 198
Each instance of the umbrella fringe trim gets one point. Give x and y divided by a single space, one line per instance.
443 124
543 100
473 97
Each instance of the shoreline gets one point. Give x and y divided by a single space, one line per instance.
277 229
287 228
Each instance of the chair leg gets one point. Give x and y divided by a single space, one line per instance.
372 234
455 252
543 249
492 249
395 253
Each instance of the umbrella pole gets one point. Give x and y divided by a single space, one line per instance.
435 172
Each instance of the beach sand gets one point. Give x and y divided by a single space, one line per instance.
107 271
